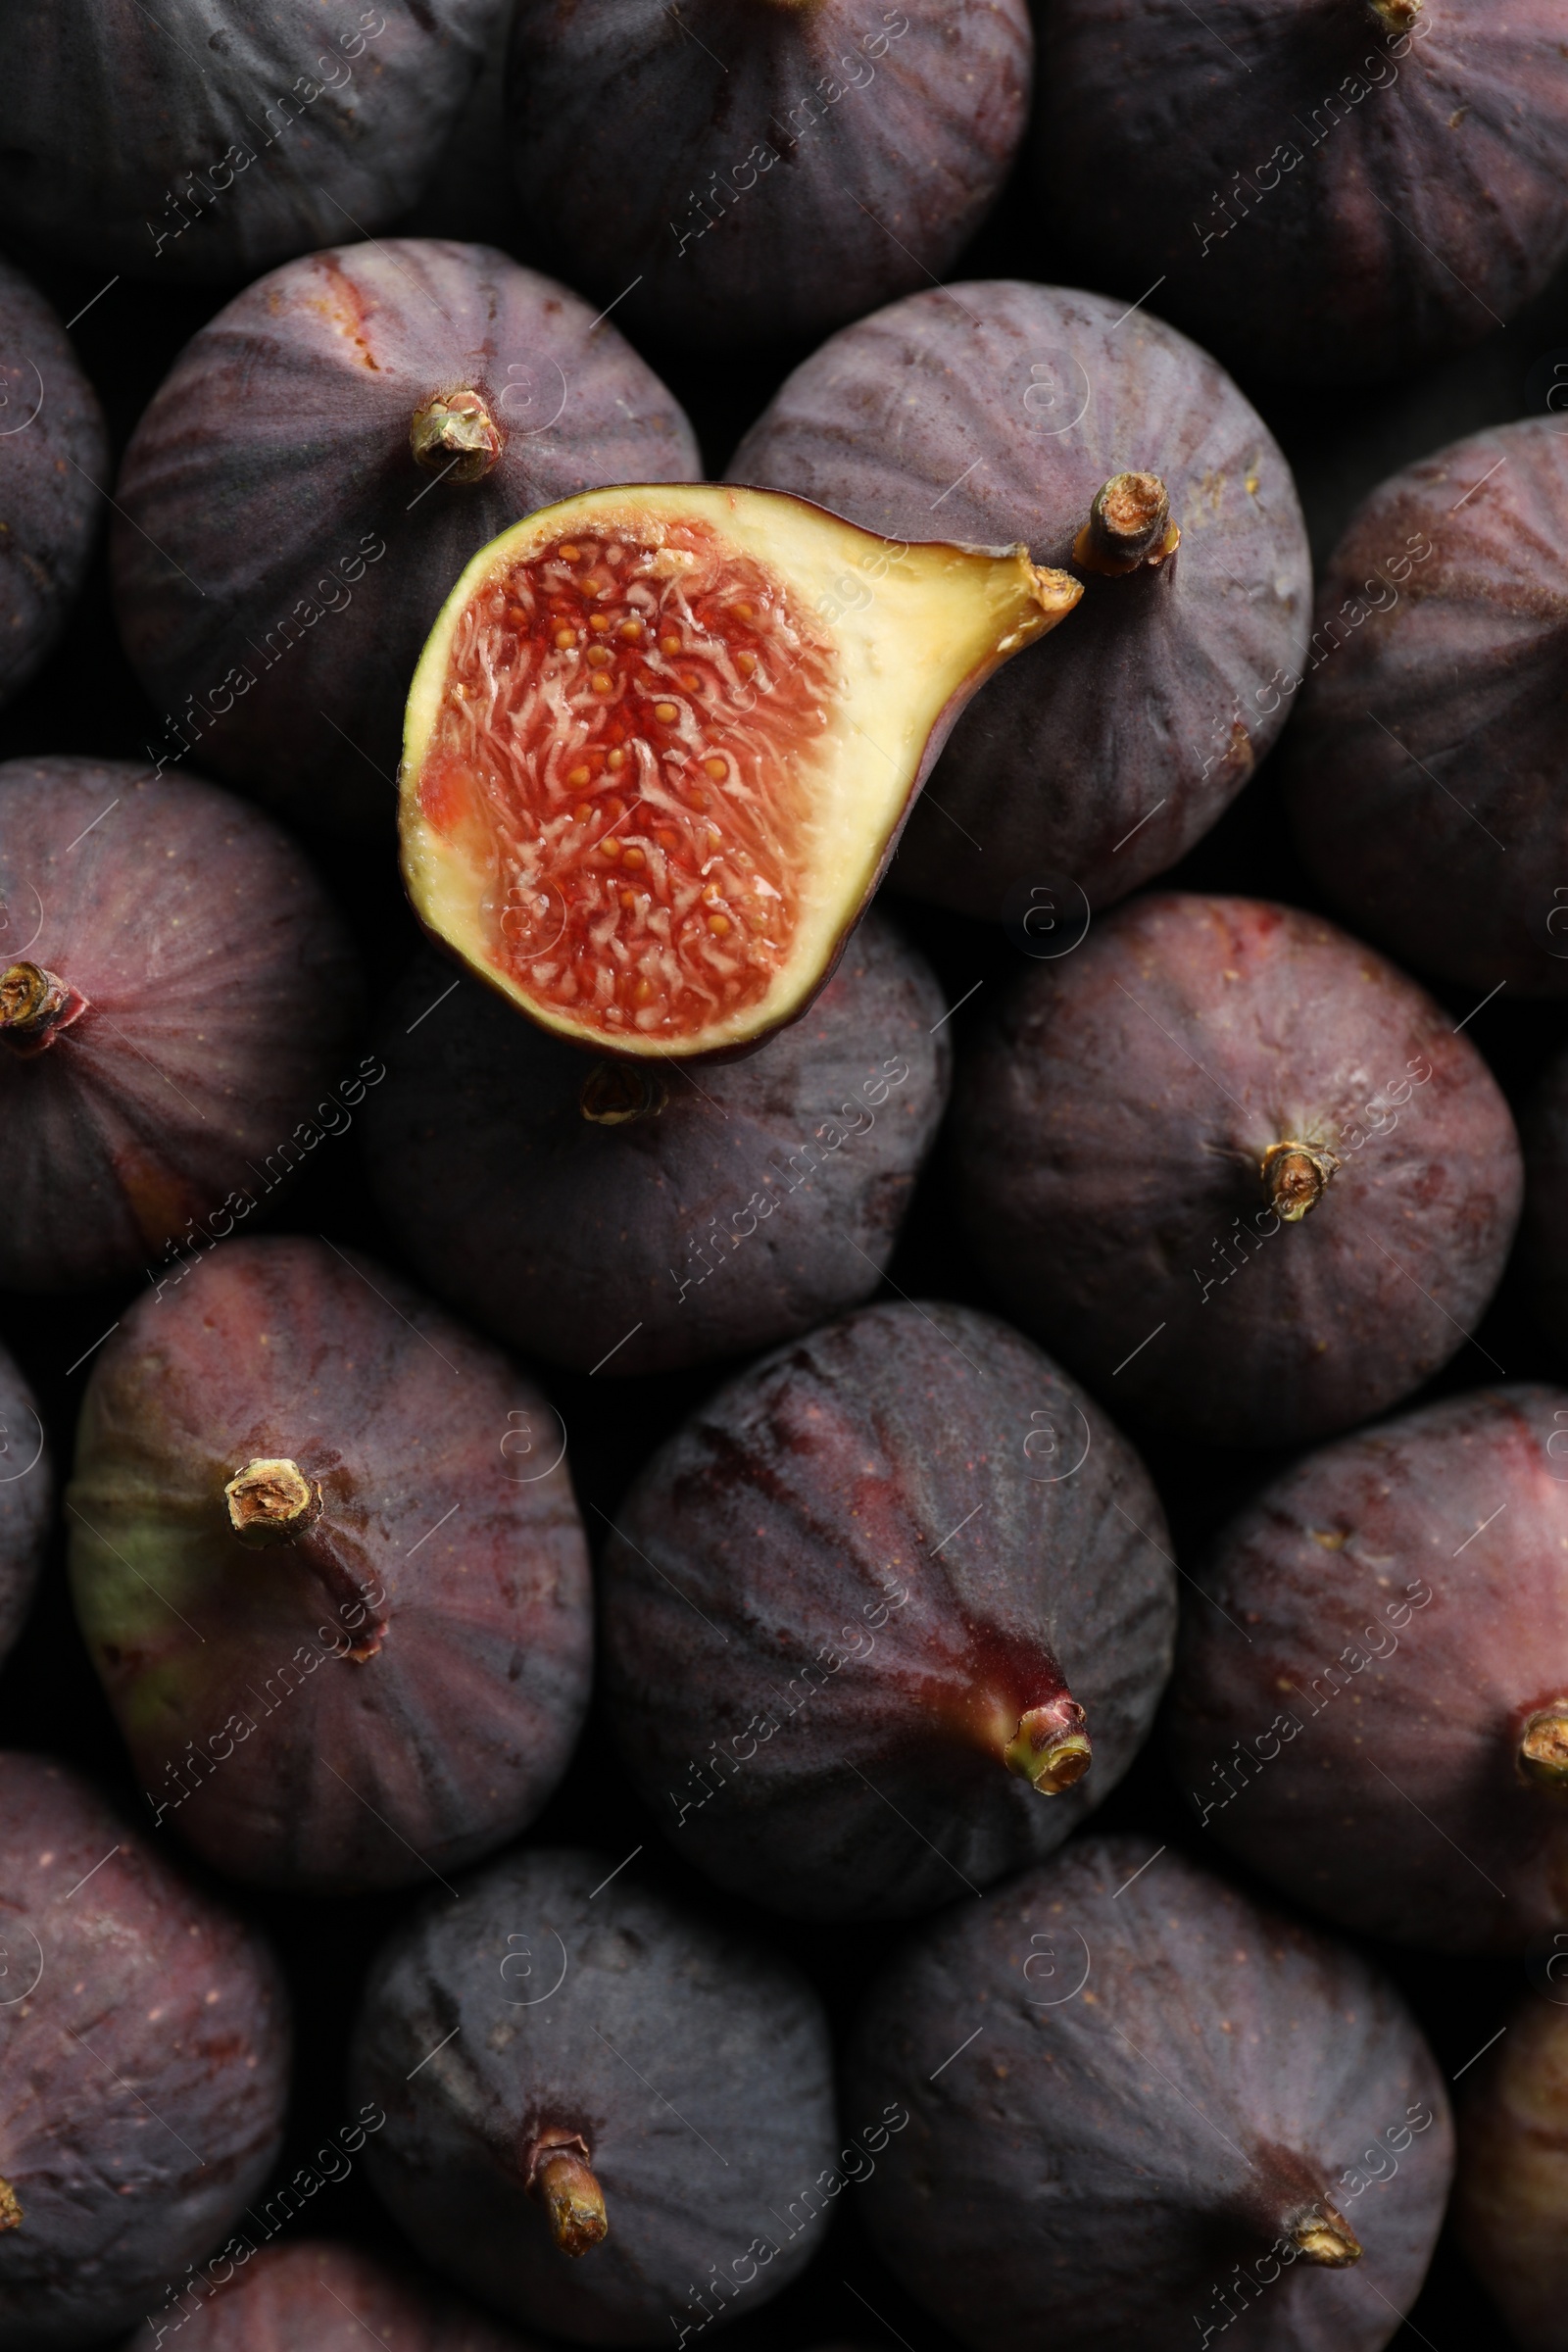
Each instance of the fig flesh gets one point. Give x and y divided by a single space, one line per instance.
345 1631
747 180
1389 1741
1240 1171
1101 759
26 1499
1511 2193
1427 774
661 744
55 464
315 470
591 1212
181 997
1138 2105
600 2108
322 2297
143 2066
887 1617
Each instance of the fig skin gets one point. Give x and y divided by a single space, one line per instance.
1433 212
1511 2190
182 2006
767 1546
322 2297
691 2066
866 196
26 1500
1451 1642
55 464
223 994
569 1212
970 409
1111 1127
301 550
1426 772
1161 2081
223 139
442 1593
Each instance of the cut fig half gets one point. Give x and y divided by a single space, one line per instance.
661 742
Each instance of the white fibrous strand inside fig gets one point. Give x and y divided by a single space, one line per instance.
638 729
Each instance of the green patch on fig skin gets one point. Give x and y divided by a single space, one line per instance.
1543 1746
35 1005
560 2179
1051 1747
10 2207
454 435
1296 1176
614 1093
1129 527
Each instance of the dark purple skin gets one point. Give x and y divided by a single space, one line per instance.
1543 1228
1509 2207
1426 775
301 551
209 139
766 167
1110 1129
1358 1601
143 2066
562 1232
318 2298
994 413
1128 2085
831 1598
26 1499
691 2066
221 999
1326 190
396 1689
56 465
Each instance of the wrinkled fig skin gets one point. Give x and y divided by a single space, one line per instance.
842 1585
1111 1127
1426 773
222 1000
769 168
1511 2193
998 411
180 2006
56 461
395 1687
563 2003
303 552
1396 1658
1165 2082
320 2297
1330 189
1544 1229
26 1499
561 1230
220 138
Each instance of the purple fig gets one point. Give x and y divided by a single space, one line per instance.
26 1499
1511 2193
55 463
318 2298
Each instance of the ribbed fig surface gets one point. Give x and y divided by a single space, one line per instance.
1145 2110
1001 410
1389 1741
318 2298
887 1617
1511 2193
1426 772
315 472
296 1458
1242 1173
26 1499
1326 190
55 463
209 139
143 2065
664 2086
183 996
642 1222
763 168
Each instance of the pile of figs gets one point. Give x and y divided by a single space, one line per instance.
783 1175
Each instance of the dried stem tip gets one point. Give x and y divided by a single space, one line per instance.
1326 2236
1397 16
1296 1176
1129 525
34 1004
615 1092
1544 1749
563 2183
10 2208
455 436
271 1501
1051 1747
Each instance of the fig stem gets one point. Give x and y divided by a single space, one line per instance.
35 1004
1543 1746
614 1093
1326 2236
1051 1749
562 2182
271 1501
1129 526
10 2207
454 435
1296 1176
1396 15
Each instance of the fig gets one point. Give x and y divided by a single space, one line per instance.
655 2135
315 470
298 1460
211 139
590 1210
1139 2104
1417 1567
26 1500
1325 190
887 1617
1425 774
1511 2191
143 2065
1140 1119
183 994
1103 759
661 744
55 464
317 2297
747 179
